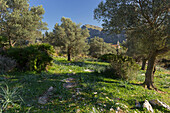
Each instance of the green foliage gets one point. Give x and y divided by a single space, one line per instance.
93 92
20 22
107 57
34 57
98 47
123 67
3 41
93 27
70 37
6 64
8 97
146 26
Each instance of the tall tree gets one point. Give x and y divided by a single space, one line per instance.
19 21
99 47
135 49
137 17
70 36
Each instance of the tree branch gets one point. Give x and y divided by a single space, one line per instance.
163 50
143 14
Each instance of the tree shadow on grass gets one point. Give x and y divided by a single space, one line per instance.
63 100
80 64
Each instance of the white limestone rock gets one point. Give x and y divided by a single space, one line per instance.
147 105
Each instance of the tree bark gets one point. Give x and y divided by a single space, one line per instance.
149 75
10 43
69 55
143 64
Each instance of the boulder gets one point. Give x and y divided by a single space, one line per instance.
44 99
147 105
159 103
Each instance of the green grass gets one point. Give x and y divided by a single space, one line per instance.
97 93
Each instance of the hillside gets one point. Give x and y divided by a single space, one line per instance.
97 31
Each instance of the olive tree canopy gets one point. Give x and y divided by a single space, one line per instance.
145 21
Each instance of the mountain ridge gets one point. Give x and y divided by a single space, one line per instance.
97 31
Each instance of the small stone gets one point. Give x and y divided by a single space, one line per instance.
101 110
123 106
69 85
95 93
118 110
78 111
94 110
50 89
28 105
99 104
148 106
111 109
137 104
88 70
73 96
43 100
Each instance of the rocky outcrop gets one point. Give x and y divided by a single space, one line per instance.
97 31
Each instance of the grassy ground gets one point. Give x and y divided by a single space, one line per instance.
96 93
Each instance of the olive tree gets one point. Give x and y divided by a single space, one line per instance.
144 20
20 22
70 36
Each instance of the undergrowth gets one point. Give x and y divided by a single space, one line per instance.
97 93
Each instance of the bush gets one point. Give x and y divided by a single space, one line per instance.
33 58
6 64
123 67
107 57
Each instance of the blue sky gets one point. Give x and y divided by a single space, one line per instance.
80 11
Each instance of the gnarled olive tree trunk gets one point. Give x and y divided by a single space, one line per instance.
143 64
149 75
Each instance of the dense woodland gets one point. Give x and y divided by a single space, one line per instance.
75 68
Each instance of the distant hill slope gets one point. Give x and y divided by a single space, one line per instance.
97 31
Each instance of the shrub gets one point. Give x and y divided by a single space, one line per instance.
123 67
106 57
33 58
8 97
6 64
